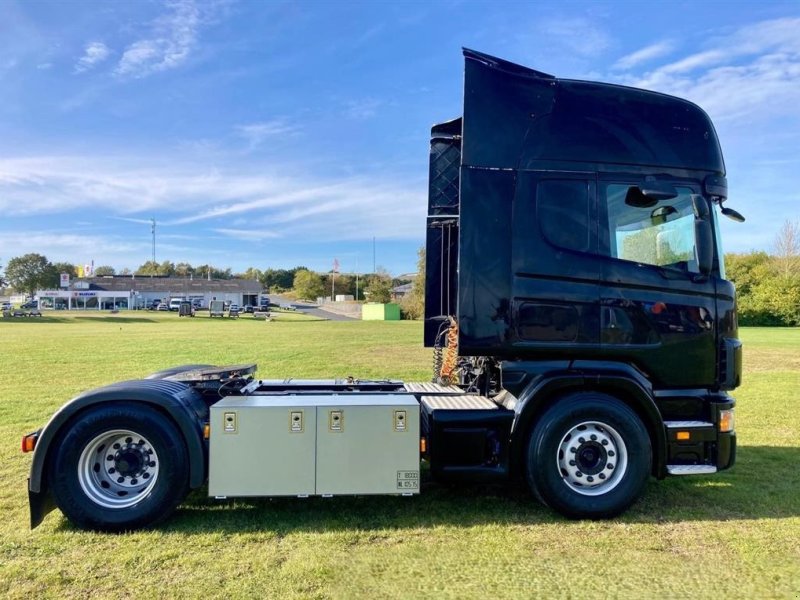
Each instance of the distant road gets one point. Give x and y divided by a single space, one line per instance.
310 309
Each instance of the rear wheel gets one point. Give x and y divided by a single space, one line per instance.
119 467
589 456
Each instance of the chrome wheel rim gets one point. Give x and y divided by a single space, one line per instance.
592 458
117 468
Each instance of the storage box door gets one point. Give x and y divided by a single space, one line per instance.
262 451
367 449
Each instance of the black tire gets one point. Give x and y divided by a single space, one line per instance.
163 453
610 431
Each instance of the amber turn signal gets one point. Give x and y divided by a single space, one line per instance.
423 445
207 431
726 420
29 442
683 436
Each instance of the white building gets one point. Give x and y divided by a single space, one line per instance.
127 292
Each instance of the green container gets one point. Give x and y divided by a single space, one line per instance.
380 312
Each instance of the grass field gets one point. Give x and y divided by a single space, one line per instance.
735 534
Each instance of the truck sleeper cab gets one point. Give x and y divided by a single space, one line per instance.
584 335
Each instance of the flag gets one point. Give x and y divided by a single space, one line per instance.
335 265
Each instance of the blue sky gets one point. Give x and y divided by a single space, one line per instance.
272 134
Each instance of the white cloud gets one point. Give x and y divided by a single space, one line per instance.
185 196
256 133
644 55
172 39
365 108
93 54
577 34
255 235
739 75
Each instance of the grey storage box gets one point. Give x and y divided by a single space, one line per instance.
314 444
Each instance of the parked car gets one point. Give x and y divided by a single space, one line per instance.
233 308
162 307
30 304
6 306
248 308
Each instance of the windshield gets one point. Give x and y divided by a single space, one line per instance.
662 234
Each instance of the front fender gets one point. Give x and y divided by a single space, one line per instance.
620 381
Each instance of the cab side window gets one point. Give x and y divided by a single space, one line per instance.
661 235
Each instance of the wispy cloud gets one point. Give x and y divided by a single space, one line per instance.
576 34
737 75
181 196
93 54
132 220
256 133
643 55
255 235
364 108
171 40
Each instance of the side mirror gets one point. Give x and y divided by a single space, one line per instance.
661 214
649 193
732 214
703 236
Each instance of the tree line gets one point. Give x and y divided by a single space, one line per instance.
767 285
32 272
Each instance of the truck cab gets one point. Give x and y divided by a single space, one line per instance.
573 238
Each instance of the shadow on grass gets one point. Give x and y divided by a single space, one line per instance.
763 485
95 319
117 319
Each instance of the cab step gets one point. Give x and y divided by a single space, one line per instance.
691 469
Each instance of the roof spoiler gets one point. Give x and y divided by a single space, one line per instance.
504 65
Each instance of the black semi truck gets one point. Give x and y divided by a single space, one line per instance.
584 335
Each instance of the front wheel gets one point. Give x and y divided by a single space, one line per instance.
119 467
589 456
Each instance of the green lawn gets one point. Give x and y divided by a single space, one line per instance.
737 533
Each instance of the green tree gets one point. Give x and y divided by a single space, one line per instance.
184 269
104 271
29 273
767 292
65 267
308 285
278 280
149 268
345 284
203 271
166 269
379 286
53 278
413 303
251 273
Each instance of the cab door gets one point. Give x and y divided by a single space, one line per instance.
656 310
